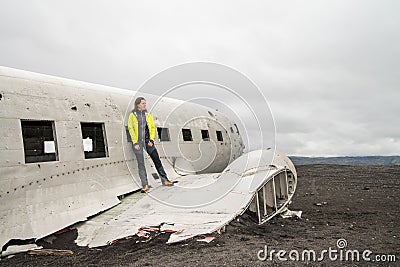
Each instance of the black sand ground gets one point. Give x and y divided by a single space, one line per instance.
358 203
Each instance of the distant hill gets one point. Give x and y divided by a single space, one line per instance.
368 160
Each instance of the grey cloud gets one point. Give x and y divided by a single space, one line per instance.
329 70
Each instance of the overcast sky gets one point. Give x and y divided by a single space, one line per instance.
330 70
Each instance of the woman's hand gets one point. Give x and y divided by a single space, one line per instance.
150 144
137 147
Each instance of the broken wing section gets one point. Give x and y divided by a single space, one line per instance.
263 179
198 204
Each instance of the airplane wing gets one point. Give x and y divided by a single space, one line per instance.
261 181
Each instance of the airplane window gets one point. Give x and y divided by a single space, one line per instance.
39 141
219 136
205 135
187 135
93 138
163 134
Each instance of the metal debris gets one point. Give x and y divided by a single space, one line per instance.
18 249
207 239
50 252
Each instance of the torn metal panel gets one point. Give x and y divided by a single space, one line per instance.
207 239
19 248
198 204
286 213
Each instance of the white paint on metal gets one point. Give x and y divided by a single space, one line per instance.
18 249
136 212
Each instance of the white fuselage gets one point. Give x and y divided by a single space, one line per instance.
48 181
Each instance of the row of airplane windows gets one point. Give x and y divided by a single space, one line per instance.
40 145
163 135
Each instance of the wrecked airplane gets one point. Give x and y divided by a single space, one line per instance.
66 155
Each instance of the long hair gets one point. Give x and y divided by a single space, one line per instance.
137 102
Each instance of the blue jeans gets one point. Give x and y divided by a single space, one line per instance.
152 151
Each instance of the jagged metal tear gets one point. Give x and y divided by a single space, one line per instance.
244 177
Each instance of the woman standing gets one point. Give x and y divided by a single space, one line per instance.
142 130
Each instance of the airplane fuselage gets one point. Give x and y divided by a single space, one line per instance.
66 155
